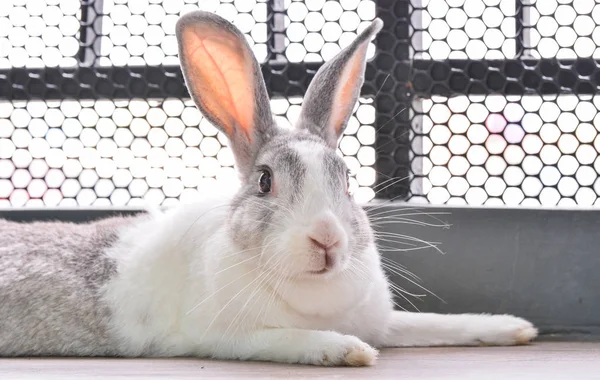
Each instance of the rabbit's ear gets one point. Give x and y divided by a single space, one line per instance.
335 88
225 81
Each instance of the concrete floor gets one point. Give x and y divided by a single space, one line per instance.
548 360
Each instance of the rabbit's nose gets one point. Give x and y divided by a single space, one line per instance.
325 232
327 242
324 244
328 255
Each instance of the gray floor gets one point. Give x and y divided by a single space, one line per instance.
548 360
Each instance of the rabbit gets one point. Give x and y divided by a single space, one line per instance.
286 270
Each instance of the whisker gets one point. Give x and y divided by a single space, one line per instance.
396 241
402 289
394 140
273 296
399 293
369 210
231 282
260 221
392 184
411 238
380 88
401 268
270 202
386 181
226 305
195 221
420 286
393 249
392 118
401 220
237 264
383 204
263 277
218 290
238 252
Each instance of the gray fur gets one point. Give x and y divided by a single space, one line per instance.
288 174
268 212
339 171
51 278
264 126
52 274
320 99
271 146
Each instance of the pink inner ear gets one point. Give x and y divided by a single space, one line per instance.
344 97
221 75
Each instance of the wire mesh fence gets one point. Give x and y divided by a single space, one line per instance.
465 101
502 101
89 115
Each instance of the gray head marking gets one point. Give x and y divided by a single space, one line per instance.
335 88
308 177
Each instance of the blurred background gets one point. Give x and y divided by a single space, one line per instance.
472 102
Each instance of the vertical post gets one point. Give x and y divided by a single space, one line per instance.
276 31
389 75
519 31
87 34
83 29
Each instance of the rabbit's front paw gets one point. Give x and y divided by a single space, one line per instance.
506 330
346 351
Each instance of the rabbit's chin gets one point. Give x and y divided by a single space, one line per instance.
328 271
328 293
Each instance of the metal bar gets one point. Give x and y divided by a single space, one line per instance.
77 215
426 78
276 27
519 42
83 29
284 79
388 76
506 77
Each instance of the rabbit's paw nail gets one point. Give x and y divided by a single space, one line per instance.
361 356
519 331
351 352
506 330
525 334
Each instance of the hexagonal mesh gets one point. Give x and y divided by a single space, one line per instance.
101 153
465 101
492 121
562 29
316 30
39 33
495 150
464 29
142 32
99 135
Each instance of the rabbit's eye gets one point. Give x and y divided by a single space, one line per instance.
264 182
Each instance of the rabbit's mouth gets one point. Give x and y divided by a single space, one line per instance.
319 272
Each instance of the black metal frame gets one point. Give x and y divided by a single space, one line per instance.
392 77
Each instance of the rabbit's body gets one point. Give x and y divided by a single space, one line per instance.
176 284
126 286
181 293
286 270
50 279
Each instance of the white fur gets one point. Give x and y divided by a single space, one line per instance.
170 264
185 286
